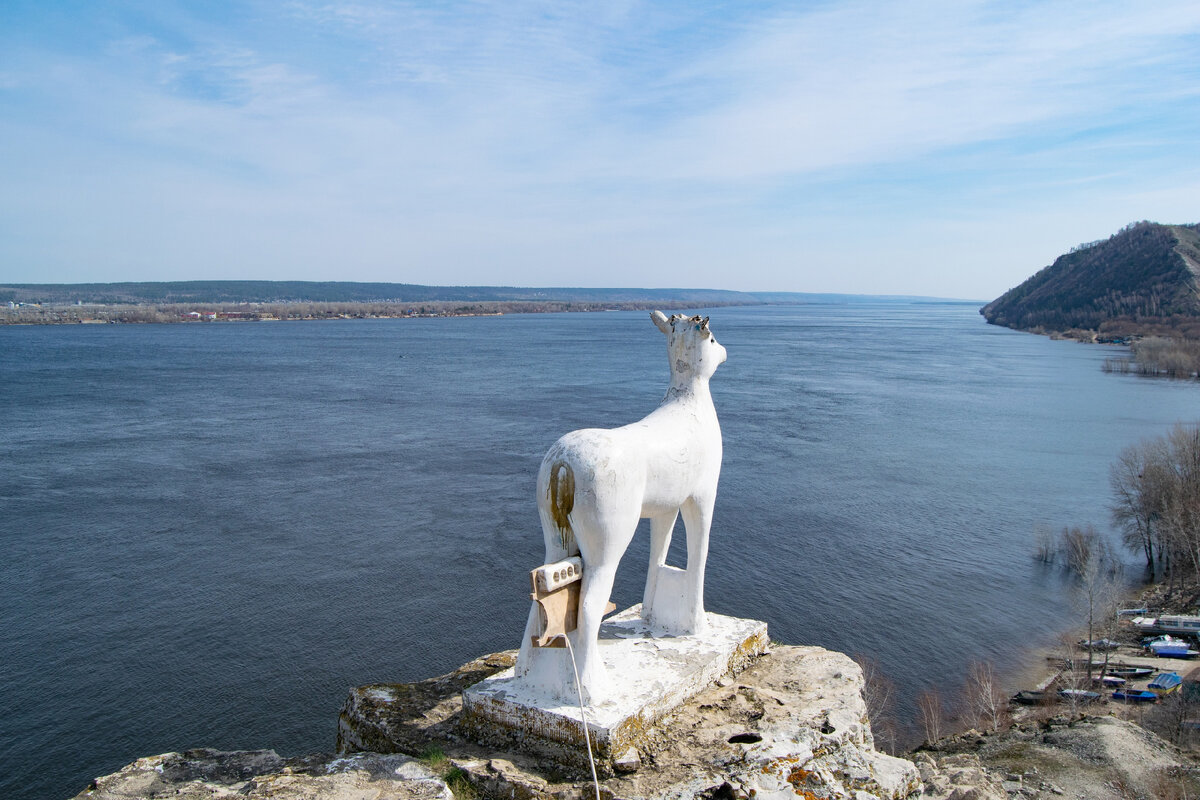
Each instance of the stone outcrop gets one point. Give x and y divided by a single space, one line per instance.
1058 758
793 724
250 774
411 717
961 776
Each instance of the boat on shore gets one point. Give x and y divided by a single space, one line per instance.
1134 696
1170 647
1165 683
1179 624
1177 652
1099 644
1078 664
1027 697
1130 672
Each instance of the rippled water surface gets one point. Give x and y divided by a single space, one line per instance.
211 531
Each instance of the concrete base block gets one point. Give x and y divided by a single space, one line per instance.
652 674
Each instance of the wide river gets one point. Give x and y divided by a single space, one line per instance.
211 531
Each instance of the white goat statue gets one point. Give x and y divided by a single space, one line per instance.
595 484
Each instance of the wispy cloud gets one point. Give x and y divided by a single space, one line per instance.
864 83
508 142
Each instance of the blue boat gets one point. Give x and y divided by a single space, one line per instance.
1165 683
1176 652
1134 696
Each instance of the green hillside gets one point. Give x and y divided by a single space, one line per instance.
1141 280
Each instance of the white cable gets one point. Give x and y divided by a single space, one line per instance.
582 715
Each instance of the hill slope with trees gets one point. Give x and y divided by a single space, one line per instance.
1140 281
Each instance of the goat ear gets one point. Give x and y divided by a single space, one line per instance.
660 321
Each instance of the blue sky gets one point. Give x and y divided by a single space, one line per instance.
936 148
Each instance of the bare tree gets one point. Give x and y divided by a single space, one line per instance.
931 713
878 690
1134 510
1181 513
1098 593
1074 678
985 698
1043 544
1172 717
1078 545
1156 487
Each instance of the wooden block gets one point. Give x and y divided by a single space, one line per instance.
558 608
559 612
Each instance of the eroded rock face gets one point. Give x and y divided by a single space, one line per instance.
793 724
205 774
1058 758
411 717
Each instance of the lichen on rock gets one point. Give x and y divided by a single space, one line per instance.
205 774
792 724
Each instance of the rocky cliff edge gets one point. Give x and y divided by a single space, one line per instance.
792 724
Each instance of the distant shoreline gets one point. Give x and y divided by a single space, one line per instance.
82 312
172 313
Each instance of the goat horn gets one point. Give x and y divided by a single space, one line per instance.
704 324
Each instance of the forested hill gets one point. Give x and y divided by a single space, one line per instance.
345 292
1141 280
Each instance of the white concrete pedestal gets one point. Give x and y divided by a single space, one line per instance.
650 676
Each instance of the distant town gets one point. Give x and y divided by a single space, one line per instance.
243 301
96 313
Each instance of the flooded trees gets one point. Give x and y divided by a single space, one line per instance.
1098 591
1156 488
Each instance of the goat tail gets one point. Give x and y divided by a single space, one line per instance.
560 500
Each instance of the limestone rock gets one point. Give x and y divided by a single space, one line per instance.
629 761
792 725
1077 758
793 722
497 777
959 777
250 774
411 717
